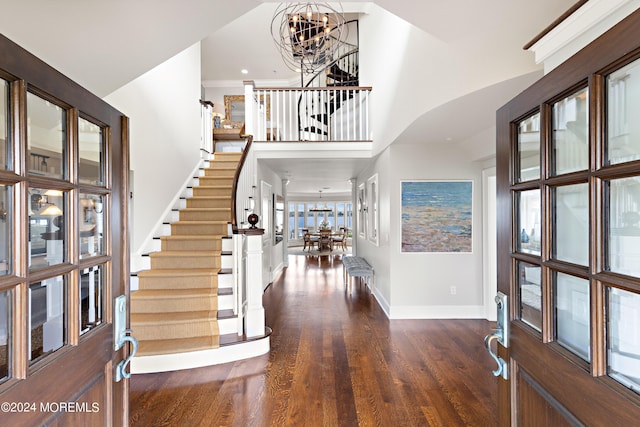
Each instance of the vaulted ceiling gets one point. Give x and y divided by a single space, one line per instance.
105 44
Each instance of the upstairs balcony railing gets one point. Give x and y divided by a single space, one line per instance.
316 114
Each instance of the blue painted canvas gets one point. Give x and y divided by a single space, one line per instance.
436 216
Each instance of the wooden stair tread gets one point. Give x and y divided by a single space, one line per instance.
232 339
177 317
226 314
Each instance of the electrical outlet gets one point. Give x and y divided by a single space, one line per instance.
453 290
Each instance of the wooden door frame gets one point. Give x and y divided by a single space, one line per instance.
615 47
60 371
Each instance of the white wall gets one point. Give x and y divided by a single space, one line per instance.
164 111
413 72
272 257
418 285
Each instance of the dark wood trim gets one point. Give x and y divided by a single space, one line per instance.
605 401
555 23
236 178
249 231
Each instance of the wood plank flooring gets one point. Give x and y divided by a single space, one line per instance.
335 360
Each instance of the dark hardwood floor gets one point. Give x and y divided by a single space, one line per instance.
335 360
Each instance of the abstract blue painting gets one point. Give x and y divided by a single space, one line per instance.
436 216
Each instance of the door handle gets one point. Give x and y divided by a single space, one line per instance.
122 335
502 370
121 369
501 333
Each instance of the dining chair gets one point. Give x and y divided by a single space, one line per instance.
340 240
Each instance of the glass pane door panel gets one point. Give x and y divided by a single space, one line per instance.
91 225
91 298
90 142
570 141
6 229
47 317
529 207
624 340
623 107
530 294
47 235
46 137
572 314
623 248
571 224
5 334
529 149
4 124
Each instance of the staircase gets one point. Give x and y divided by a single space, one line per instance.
340 72
177 307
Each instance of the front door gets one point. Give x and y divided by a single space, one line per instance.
568 207
63 248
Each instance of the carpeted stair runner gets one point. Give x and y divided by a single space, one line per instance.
175 307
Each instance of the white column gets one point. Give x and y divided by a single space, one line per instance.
249 108
255 311
285 229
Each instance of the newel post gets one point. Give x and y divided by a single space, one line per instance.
254 324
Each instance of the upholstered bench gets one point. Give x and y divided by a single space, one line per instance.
355 266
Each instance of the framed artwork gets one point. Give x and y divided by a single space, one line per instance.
436 216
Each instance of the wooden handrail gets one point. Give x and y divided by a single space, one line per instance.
236 178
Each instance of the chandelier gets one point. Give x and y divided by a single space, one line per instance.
308 34
322 208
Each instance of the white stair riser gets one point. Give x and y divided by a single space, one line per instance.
228 326
225 280
225 302
226 261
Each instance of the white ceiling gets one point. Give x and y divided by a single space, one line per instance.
105 44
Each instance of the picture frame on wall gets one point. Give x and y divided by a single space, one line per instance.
436 216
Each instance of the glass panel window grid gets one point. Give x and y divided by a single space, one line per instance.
529 208
623 361
570 141
91 298
46 137
6 229
623 244
5 334
91 143
47 235
572 314
47 317
5 125
570 241
623 105
529 149
530 294
302 217
91 225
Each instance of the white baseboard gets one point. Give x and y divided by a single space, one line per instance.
437 312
